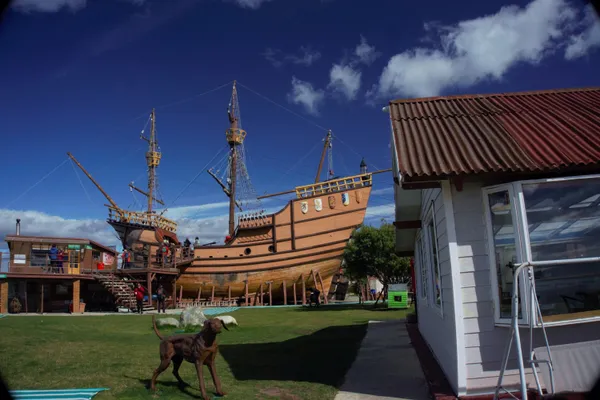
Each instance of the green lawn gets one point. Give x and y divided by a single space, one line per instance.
279 353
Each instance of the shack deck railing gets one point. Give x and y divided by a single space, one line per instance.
334 185
141 218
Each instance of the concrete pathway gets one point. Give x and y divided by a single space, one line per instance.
386 367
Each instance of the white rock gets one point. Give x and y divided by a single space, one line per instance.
192 316
227 319
167 322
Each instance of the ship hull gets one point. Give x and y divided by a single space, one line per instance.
303 242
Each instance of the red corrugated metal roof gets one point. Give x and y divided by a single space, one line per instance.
508 132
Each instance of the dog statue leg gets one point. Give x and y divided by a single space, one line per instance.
164 364
213 372
176 365
200 372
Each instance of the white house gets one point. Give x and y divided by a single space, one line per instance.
485 182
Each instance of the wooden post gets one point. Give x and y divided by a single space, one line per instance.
212 296
312 272
270 294
26 301
303 290
295 297
180 293
246 290
4 297
42 298
76 295
149 287
323 288
229 293
284 294
261 295
255 298
174 293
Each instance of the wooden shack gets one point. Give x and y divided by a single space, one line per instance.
41 284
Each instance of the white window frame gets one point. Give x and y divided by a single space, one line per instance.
424 292
492 251
430 219
523 248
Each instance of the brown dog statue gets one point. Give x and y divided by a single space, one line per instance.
197 348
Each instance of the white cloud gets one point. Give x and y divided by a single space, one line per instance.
183 212
35 223
50 6
212 228
366 53
379 192
252 4
304 94
345 80
306 56
26 6
481 49
382 211
345 76
587 40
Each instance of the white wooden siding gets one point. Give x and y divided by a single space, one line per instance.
437 329
484 342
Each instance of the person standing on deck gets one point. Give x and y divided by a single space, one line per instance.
139 293
53 257
60 257
160 296
186 246
125 258
165 253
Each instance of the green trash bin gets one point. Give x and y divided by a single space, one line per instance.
398 295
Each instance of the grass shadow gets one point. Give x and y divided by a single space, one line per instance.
186 389
323 357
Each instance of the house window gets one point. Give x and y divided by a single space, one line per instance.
424 289
563 228
504 252
554 224
433 259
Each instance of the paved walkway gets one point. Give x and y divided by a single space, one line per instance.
386 367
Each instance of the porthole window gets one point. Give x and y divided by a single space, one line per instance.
247 251
271 249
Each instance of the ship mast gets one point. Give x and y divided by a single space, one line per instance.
152 159
235 137
326 146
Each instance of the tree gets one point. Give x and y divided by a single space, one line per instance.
371 252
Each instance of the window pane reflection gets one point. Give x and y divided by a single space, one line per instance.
504 248
564 223
563 219
567 289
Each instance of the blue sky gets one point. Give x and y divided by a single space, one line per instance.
82 76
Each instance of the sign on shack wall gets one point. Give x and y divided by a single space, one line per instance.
108 259
19 259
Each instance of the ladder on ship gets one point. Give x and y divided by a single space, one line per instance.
535 321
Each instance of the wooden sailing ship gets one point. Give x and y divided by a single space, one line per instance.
283 253
279 254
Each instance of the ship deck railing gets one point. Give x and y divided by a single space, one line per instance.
182 255
334 185
44 266
141 218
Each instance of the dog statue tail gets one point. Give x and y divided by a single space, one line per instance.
155 327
